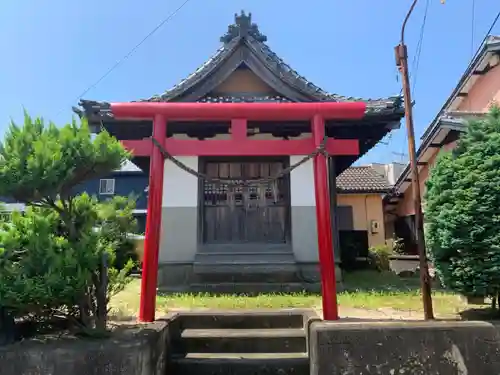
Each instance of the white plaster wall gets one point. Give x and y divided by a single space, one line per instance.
304 230
179 221
180 188
302 183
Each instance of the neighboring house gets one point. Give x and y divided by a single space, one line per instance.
476 91
360 213
127 181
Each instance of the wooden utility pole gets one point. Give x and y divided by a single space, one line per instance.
402 63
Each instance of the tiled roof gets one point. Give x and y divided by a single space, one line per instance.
244 45
362 179
244 32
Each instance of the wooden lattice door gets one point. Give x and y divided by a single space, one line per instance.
245 214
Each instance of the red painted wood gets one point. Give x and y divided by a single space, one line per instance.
142 147
250 111
238 129
342 147
153 225
323 223
248 147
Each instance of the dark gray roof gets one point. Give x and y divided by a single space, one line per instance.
254 53
363 179
244 47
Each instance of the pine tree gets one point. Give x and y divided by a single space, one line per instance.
52 257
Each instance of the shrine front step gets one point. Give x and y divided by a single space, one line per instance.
244 343
274 340
275 267
244 319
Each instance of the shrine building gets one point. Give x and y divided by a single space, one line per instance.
244 114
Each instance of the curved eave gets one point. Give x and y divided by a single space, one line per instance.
389 111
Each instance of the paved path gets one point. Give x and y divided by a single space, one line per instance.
378 314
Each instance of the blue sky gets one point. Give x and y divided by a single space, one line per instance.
53 50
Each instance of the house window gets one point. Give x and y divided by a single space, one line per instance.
5 216
107 186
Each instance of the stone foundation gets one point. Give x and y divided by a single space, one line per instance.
131 350
186 277
426 348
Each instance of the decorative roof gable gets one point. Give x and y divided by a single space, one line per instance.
244 46
242 28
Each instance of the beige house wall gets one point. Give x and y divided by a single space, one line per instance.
366 208
484 93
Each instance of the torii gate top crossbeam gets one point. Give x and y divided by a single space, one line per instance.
249 111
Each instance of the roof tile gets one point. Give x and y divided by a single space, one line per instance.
362 179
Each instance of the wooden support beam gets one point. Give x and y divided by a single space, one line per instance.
243 146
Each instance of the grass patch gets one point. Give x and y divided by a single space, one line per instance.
374 290
363 290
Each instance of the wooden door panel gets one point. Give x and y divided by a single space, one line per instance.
255 214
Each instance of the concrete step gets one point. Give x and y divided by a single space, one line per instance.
254 288
248 271
245 248
246 274
242 364
243 341
244 319
277 266
245 258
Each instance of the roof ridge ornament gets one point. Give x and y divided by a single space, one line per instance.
242 28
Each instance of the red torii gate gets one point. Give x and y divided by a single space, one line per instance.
239 145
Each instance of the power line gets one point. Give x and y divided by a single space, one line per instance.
416 58
473 21
415 65
493 24
491 27
485 38
131 52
